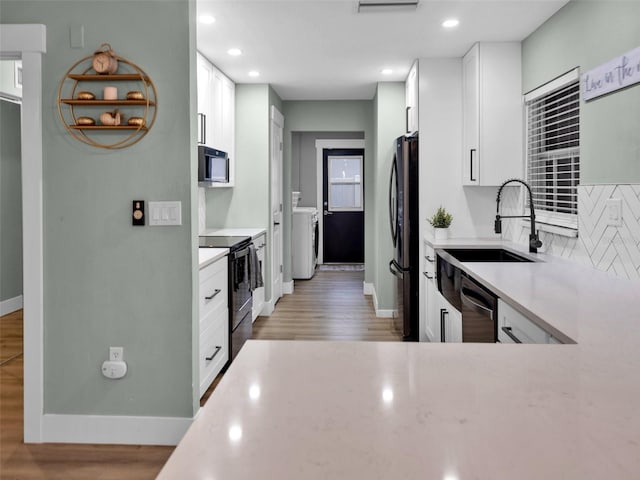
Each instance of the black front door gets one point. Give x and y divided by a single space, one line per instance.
343 206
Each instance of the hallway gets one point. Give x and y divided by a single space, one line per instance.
330 306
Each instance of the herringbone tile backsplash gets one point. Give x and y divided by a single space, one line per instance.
609 248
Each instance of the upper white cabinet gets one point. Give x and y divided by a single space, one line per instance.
216 111
493 115
411 99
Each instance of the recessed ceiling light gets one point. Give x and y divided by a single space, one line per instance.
234 52
254 73
450 23
386 71
206 19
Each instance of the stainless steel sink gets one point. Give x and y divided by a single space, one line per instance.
485 255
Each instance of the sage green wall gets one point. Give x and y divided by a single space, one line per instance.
10 202
246 204
107 283
587 33
330 116
389 105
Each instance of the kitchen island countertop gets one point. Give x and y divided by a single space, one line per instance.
351 410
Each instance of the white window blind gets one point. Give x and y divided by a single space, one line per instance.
553 150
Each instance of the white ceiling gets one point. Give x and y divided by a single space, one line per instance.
322 50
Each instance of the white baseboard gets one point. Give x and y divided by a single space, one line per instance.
114 429
268 308
287 287
367 288
379 313
10 305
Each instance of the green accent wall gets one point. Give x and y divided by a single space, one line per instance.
330 116
10 202
107 283
585 34
389 107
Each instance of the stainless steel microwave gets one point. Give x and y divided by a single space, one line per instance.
213 166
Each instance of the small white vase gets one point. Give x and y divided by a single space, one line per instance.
441 233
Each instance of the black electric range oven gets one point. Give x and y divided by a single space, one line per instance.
240 297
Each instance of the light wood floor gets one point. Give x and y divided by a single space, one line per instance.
328 307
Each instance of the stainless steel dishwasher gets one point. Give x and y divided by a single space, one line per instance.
479 312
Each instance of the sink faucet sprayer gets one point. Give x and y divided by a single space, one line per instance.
534 240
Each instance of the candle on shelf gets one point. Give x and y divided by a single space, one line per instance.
110 93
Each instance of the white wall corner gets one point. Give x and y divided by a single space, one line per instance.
10 305
379 313
367 288
114 429
287 287
268 308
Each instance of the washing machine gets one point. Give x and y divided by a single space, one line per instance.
304 244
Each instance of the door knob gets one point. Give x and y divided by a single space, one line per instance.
327 212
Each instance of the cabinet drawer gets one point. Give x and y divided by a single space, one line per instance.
213 289
214 352
521 327
429 261
220 314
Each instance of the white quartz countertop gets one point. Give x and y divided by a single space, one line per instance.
374 410
250 232
210 255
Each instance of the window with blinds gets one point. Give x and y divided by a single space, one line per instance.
553 150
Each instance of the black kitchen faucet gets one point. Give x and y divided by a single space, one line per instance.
534 240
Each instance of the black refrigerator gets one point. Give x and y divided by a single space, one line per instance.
405 225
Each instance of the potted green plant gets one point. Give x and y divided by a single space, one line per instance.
441 221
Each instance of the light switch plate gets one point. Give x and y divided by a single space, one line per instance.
613 212
164 213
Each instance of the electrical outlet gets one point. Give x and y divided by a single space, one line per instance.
614 212
116 353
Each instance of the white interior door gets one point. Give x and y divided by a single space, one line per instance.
277 124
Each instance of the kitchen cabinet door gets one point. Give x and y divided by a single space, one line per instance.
411 98
204 80
258 294
450 320
492 114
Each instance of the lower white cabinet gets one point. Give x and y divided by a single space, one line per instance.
514 327
213 347
258 294
450 320
431 326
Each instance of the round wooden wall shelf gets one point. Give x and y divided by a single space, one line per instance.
131 95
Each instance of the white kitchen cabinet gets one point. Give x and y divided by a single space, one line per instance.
450 320
213 312
514 327
216 112
492 114
258 294
411 99
431 320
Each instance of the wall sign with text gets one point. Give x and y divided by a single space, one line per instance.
621 72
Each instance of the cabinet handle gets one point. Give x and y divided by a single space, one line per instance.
429 259
443 312
218 348
471 155
203 128
507 330
430 277
261 247
406 118
215 292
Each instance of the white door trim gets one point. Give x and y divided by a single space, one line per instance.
277 123
29 42
320 146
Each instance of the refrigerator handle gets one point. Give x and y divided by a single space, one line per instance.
393 218
393 268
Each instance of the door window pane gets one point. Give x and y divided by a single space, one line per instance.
345 183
